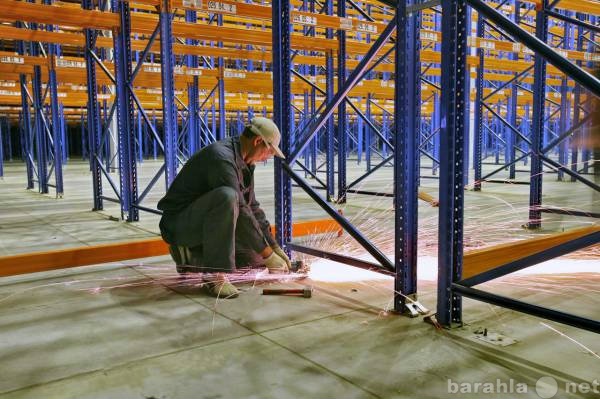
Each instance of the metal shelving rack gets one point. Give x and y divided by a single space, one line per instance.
371 79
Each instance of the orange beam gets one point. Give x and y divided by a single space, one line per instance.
114 252
485 259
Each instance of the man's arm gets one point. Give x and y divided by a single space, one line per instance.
261 218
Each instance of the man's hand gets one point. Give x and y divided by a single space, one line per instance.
277 249
276 264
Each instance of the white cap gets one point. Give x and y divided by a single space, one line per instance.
269 132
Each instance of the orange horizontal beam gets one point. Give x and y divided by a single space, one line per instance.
485 259
114 252
46 14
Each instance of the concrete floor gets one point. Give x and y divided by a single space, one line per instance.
135 330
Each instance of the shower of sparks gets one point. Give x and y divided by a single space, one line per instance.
485 223
588 350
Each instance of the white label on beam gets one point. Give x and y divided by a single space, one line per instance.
178 70
487 45
254 102
364 27
152 68
304 19
345 23
192 3
234 74
7 84
193 71
516 47
429 36
8 59
217 6
9 93
60 62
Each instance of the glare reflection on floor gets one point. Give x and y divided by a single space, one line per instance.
330 271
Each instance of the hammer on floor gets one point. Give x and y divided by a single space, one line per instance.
305 292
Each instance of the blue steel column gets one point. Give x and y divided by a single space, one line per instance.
368 134
281 116
537 128
330 125
193 131
565 111
478 121
9 148
222 113
407 102
342 135
56 133
577 101
452 131
27 143
167 59
93 110
125 114
41 139
513 100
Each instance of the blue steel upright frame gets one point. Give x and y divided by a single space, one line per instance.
406 131
281 117
407 111
451 285
452 133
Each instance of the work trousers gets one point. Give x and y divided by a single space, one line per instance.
218 233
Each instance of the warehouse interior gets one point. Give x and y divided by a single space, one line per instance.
440 188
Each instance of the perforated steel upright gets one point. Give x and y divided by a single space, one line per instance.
407 101
167 62
452 130
281 117
537 128
342 119
125 113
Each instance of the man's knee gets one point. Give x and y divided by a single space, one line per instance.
225 196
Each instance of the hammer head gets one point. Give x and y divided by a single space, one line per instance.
307 292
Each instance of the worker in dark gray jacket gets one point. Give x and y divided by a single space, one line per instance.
211 218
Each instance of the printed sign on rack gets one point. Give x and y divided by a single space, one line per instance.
192 3
69 63
193 72
8 59
346 23
217 6
9 93
429 36
152 68
487 45
234 74
304 19
364 27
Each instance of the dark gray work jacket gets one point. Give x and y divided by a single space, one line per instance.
216 165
